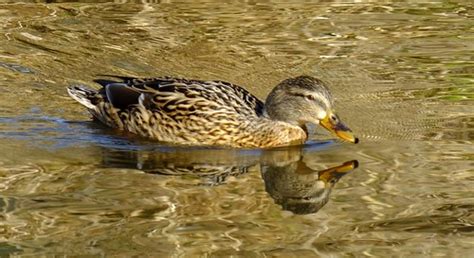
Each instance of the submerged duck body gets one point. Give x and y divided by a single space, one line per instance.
197 112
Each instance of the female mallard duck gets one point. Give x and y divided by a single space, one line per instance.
199 112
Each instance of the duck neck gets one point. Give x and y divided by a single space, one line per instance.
276 116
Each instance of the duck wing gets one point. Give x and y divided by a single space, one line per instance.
162 90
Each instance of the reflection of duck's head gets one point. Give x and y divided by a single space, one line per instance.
299 189
306 99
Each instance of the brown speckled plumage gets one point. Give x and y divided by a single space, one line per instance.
199 112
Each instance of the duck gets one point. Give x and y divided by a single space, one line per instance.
212 113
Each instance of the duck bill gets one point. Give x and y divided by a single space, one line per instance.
339 129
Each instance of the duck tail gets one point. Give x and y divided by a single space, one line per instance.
83 95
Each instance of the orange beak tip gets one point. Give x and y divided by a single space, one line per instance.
356 164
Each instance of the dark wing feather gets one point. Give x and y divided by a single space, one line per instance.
121 96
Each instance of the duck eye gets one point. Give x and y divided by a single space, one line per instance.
333 118
310 97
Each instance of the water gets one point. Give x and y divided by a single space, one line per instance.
403 77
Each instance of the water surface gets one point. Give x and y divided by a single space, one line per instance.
402 74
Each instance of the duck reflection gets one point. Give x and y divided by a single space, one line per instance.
293 185
211 166
301 189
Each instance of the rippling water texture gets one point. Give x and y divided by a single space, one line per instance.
403 75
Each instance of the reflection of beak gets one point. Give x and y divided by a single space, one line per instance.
333 174
340 129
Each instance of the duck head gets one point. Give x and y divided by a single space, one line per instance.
305 99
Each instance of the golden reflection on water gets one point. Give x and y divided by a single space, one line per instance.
402 75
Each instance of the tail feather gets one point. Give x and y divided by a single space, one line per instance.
82 95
